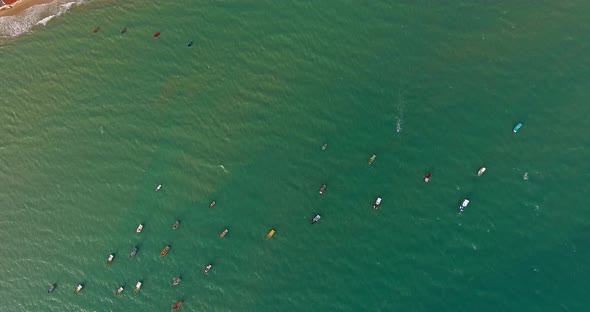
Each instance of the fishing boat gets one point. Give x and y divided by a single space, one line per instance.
212 204
133 252
96 29
222 235
464 205
176 281
517 127
123 30
315 219
190 44
177 305
377 203
110 259
207 268
138 286
270 234
372 159
139 228
156 35
51 288
164 251
324 146
481 171
427 177
176 225
323 189
78 289
158 187
119 291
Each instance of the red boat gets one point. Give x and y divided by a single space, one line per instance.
157 34
323 189
427 177
177 306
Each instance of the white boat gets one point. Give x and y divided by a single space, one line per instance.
110 259
119 291
138 286
464 204
139 228
315 219
377 203
78 288
158 187
481 171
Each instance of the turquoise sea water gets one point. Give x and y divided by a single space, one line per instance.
91 123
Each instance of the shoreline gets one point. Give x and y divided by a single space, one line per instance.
20 6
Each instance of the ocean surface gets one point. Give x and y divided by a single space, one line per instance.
91 123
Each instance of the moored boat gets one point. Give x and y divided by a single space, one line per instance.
51 288
323 189
176 281
207 268
139 228
110 259
427 177
133 252
212 204
517 127
464 204
372 159
222 235
119 291
177 305
164 251
481 171
78 289
176 225
377 203
138 286
315 219
270 234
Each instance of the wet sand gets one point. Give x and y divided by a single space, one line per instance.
20 6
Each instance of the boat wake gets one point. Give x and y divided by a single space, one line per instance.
38 15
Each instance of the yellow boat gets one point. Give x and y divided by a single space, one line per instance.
270 234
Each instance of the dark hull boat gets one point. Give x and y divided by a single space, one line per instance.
323 189
51 288
133 252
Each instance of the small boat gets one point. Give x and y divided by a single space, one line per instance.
176 281
51 288
222 235
212 204
138 286
315 219
481 171
270 234
208 268
190 44
110 259
176 225
177 305
372 159
78 289
158 187
123 30
164 251
156 35
119 291
133 252
324 146
139 228
95 30
517 127
427 177
464 205
323 189
377 203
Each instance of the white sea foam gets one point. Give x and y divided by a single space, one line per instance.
39 15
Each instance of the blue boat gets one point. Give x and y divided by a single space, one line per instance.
517 127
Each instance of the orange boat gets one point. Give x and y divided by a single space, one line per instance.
222 235
165 251
177 305
270 234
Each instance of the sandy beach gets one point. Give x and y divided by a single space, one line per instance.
20 6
